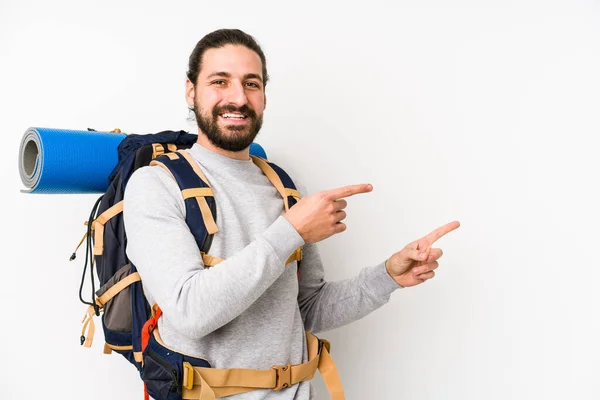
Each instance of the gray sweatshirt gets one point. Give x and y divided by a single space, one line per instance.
251 310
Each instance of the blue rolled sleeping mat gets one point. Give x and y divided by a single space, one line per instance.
59 161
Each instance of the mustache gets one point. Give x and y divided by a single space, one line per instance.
230 108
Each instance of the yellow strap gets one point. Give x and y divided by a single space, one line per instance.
88 322
154 162
195 166
209 221
79 245
115 347
158 149
273 177
330 375
296 256
210 261
209 383
117 287
197 192
98 226
293 192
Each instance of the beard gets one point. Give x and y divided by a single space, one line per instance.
230 137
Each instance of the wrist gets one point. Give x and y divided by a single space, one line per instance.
392 277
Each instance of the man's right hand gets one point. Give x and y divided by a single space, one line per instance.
319 215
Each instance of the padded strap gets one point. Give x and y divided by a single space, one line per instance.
194 165
198 193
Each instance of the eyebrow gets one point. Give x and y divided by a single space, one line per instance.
228 75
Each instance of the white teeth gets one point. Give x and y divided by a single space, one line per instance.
237 116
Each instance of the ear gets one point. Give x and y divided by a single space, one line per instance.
190 93
265 101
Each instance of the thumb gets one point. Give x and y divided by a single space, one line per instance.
414 254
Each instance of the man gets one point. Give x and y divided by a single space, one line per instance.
251 310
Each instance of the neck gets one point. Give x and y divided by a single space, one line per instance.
236 155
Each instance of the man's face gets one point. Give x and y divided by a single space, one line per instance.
229 97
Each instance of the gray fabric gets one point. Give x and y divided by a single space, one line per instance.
251 310
117 311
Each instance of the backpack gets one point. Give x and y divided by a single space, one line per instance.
128 320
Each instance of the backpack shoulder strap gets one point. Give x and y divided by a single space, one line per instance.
280 179
286 188
201 211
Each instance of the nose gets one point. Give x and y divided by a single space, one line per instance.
236 94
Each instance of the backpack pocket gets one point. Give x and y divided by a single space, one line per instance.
117 309
162 379
163 370
116 298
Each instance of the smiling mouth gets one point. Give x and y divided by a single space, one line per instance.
233 117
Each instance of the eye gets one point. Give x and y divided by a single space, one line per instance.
253 85
218 82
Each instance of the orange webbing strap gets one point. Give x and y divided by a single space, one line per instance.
117 287
293 192
296 256
158 149
146 332
209 221
211 261
208 383
330 375
88 318
150 325
199 194
273 177
79 245
98 226
88 322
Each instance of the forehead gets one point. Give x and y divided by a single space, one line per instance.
234 59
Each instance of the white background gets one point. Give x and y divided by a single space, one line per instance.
484 112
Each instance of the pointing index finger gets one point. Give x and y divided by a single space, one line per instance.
441 231
348 191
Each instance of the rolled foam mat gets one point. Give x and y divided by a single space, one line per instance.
67 161
58 161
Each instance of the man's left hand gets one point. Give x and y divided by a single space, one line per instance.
416 263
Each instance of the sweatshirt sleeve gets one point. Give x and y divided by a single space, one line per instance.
329 305
195 300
